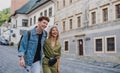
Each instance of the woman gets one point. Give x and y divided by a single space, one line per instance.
52 49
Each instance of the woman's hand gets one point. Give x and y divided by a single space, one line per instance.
58 70
22 61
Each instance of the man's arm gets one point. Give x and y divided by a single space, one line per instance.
23 45
22 49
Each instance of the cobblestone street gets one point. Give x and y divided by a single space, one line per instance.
9 63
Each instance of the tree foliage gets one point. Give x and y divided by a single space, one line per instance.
4 15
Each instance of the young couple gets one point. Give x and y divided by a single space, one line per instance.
40 54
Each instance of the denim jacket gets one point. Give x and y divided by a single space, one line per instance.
28 48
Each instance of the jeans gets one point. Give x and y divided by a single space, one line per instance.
35 68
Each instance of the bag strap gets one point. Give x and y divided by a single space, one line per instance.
28 35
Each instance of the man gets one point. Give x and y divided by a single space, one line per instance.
31 51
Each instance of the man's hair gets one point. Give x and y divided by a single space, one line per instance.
43 18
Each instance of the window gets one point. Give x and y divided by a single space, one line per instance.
16 23
50 12
105 14
70 1
70 23
57 5
93 17
14 26
41 14
45 12
98 45
30 21
34 19
118 11
63 3
56 24
79 21
21 31
14 35
110 43
66 45
24 22
63 25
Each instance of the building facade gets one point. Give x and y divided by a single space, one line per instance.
26 17
89 27
15 5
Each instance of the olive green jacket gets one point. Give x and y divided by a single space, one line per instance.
50 51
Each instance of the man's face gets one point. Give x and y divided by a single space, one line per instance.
42 24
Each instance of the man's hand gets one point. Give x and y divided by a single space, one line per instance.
22 61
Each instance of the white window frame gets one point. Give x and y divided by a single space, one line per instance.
90 15
41 14
70 2
102 45
25 21
102 13
76 20
63 27
114 10
34 19
64 2
80 20
106 44
45 12
68 45
31 20
58 5
50 15
71 18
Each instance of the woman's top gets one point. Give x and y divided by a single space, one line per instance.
50 51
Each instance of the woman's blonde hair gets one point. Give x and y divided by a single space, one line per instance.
50 33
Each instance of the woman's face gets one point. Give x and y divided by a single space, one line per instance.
54 32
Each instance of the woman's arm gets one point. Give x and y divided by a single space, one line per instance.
58 65
58 60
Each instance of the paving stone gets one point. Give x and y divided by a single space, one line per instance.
9 63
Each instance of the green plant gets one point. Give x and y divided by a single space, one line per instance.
4 15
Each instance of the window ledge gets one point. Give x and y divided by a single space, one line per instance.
111 52
99 52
